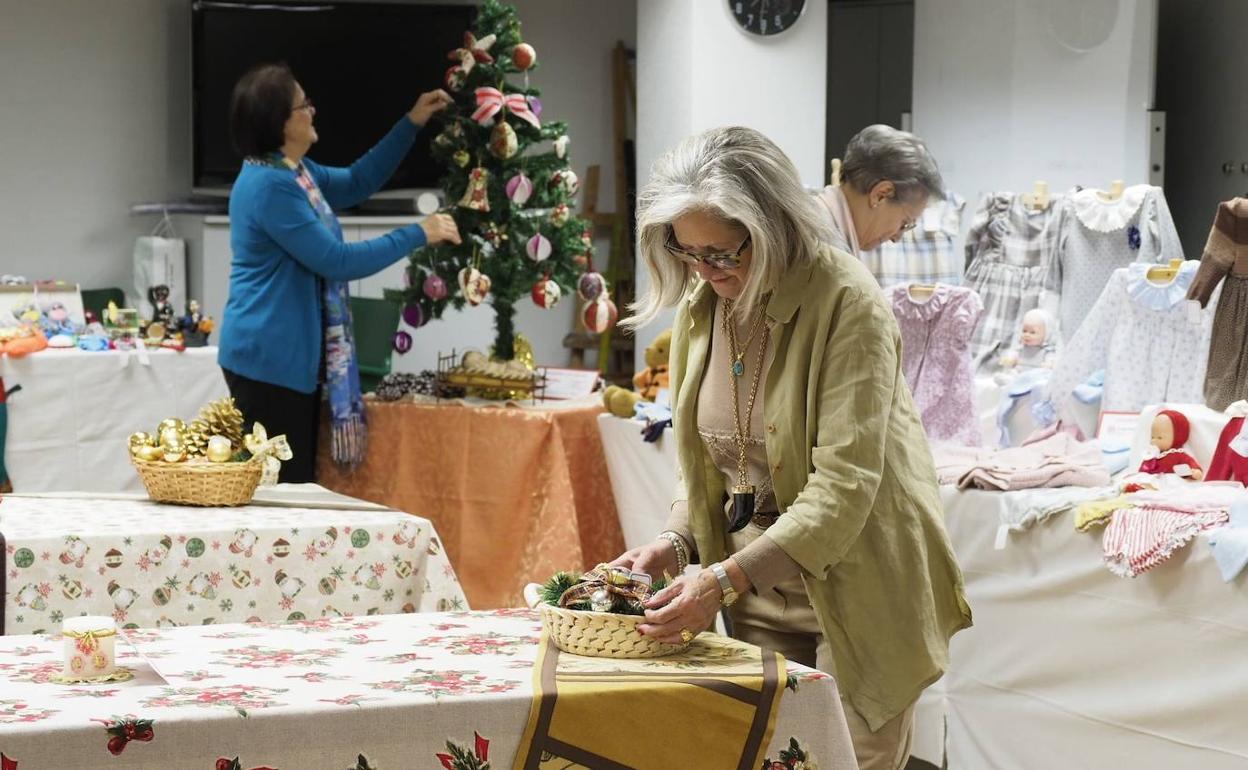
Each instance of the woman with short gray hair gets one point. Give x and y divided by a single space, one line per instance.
887 178
807 487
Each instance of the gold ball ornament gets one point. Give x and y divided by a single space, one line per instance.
150 453
170 422
140 439
220 449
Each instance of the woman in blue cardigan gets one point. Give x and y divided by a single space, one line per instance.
287 319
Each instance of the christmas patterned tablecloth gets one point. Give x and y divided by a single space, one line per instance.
449 690
152 565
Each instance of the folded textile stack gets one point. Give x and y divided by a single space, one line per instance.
1145 528
1056 461
1230 544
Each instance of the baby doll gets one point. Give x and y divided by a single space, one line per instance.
1169 435
1037 342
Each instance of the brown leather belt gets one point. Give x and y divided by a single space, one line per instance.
763 520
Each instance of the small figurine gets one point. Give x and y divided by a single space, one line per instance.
1036 346
56 320
190 321
162 310
195 326
1169 435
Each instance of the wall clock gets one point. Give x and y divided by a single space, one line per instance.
766 17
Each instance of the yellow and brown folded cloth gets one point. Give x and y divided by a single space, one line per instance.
713 705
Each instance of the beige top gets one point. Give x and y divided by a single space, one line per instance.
762 561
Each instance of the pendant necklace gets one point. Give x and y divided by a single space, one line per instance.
743 490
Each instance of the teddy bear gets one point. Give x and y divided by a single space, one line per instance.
647 383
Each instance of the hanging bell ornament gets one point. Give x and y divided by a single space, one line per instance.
503 142
561 147
600 314
590 286
219 450
413 316
538 248
474 285
566 181
461 158
476 197
519 189
402 342
546 293
434 287
559 215
600 600
524 56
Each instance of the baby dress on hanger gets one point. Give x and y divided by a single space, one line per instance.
1008 250
936 359
1098 237
1150 341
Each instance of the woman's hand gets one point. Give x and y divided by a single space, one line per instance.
655 559
429 103
439 228
688 604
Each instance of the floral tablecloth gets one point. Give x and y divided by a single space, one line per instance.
448 690
151 565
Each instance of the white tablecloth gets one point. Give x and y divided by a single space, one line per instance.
643 477
329 694
69 422
1071 666
306 554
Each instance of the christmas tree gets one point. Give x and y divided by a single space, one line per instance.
511 202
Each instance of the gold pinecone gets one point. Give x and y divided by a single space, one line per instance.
221 418
195 440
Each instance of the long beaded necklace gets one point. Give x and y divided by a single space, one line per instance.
743 491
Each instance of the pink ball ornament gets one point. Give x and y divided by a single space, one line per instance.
546 293
434 287
591 286
538 248
519 189
402 342
524 56
600 314
413 315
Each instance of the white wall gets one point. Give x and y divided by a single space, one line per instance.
1002 104
696 70
95 117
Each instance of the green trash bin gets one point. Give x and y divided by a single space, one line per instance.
374 322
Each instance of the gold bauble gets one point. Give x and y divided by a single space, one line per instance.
150 453
170 422
170 437
219 449
173 455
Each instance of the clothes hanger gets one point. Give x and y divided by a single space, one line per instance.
1114 192
1038 198
1164 272
921 290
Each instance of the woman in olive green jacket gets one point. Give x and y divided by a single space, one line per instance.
807 486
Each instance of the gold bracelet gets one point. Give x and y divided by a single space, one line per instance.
682 550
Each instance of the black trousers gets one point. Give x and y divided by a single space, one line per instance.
281 410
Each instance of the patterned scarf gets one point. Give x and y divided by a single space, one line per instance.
349 432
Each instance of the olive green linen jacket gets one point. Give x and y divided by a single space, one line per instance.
853 478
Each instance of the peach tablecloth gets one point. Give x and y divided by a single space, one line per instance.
516 493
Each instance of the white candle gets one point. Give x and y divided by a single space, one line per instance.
90 647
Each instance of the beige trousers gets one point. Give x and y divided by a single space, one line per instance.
885 749
782 619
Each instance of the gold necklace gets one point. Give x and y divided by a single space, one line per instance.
743 490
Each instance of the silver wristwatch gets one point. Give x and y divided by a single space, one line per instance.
725 585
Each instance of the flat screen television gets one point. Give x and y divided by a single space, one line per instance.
361 63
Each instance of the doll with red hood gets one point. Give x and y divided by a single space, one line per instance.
1169 436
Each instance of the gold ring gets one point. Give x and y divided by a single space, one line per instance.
686 635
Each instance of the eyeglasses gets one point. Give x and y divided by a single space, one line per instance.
305 105
717 261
